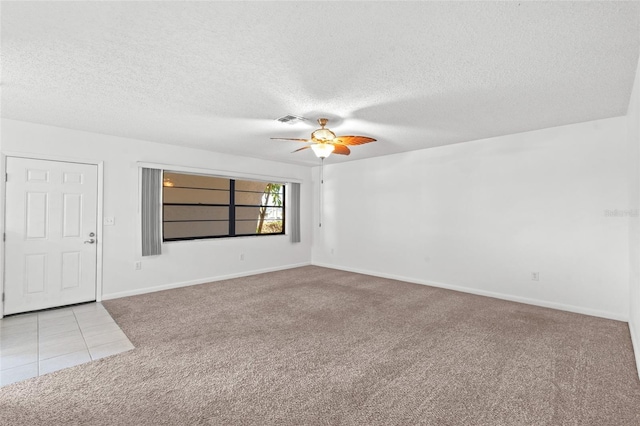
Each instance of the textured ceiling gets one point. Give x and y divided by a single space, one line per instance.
215 75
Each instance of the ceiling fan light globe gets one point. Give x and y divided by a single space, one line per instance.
322 150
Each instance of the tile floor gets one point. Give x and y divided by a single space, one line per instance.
38 343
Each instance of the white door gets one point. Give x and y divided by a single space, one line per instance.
50 249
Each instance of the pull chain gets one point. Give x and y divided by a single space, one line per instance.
320 192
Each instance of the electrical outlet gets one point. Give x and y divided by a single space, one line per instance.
535 276
331 252
109 221
241 256
138 265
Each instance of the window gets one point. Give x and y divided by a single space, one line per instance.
200 206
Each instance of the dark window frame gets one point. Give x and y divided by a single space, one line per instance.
231 206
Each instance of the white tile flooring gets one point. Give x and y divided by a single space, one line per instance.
38 343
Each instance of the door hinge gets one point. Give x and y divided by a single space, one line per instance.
4 236
6 177
3 297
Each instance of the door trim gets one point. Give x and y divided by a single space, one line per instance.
99 210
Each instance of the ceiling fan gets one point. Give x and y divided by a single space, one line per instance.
323 141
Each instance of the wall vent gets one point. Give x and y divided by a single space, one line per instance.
290 119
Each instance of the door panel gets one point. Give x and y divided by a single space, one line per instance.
51 210
72 215
35 271
36 215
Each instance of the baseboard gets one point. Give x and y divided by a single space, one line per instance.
138 291
635 341
545 304
502 296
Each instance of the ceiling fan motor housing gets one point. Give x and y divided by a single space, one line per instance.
323 135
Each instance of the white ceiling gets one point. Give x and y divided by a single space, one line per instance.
215 75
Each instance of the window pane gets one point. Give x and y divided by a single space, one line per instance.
195 229
248 213
270 227
259 193
248 227
257 213
187 213
248 185
171 179
197 206
259 220
249 198
273 195
273 213
194 196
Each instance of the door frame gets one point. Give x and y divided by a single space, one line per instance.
99 210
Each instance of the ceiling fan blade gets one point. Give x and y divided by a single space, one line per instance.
342 150
300 149
352 140
291 139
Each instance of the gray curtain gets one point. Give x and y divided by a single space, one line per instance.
151 205
294 220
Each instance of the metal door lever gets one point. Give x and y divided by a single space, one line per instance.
91 241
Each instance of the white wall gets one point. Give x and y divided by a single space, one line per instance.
633 121
482 216
181 262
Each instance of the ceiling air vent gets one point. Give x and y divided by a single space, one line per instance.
290 119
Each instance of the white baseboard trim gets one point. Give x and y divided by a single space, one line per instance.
138 291
511 298
635 341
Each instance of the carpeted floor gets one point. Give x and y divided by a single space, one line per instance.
318 346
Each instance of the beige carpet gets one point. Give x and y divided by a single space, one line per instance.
319 346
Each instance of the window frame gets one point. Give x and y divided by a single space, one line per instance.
232 205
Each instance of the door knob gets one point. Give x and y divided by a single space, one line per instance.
91 241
